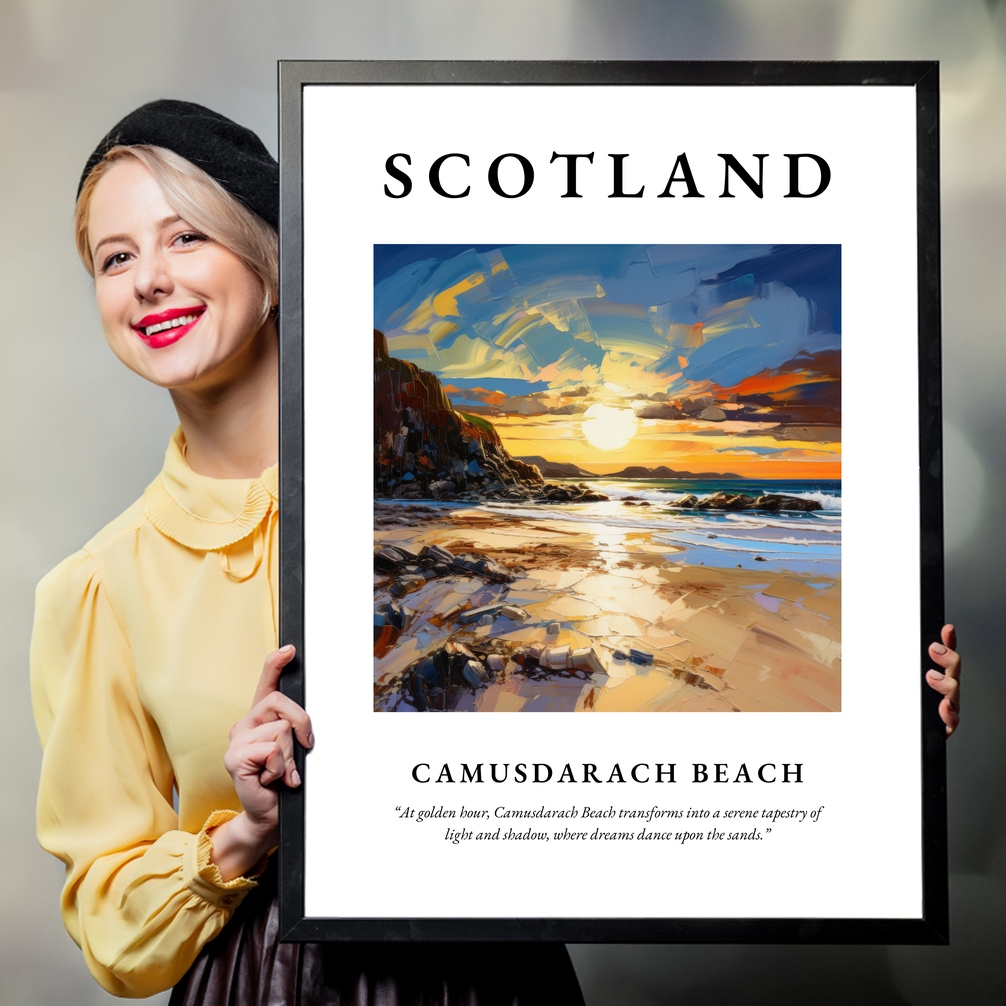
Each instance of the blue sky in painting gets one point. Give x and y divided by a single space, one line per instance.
521 318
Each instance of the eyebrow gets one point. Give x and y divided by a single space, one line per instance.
160 225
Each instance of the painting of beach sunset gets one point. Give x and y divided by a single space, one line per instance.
607 478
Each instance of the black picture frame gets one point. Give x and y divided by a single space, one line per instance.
932 925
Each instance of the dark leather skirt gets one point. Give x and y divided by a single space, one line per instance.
246 965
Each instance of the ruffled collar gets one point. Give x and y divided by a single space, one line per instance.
203 513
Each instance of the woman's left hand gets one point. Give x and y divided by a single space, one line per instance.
948 681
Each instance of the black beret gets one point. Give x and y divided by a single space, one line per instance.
231 154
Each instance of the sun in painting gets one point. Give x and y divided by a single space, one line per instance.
608 428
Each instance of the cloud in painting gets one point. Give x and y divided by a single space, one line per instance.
661 317
735 348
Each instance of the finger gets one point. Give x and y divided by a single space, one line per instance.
945 685
276 706
949 636
273 708
949 708
950 716
261 760
279 733
274 765
271 670
948 659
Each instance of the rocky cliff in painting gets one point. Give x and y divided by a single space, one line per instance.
423 448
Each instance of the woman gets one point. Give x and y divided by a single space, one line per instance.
148 643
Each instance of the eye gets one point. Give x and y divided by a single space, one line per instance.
189 239
115 261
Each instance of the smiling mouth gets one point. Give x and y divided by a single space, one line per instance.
167 323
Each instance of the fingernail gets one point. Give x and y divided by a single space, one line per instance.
310 740
936 675
295 777
287 649
938 648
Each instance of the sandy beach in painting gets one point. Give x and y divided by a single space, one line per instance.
667 630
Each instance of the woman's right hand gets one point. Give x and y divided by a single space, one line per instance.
260 753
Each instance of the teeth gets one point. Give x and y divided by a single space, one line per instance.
173 323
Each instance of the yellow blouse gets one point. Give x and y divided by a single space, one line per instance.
147 647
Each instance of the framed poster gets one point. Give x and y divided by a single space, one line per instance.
615 326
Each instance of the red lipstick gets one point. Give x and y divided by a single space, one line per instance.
166 328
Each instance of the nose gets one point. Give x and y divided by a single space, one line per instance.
152 276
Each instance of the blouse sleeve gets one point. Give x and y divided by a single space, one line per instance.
141 898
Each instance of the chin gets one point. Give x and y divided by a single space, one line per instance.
191 364
170 374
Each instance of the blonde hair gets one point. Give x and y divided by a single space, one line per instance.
199 200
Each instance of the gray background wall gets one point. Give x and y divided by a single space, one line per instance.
81 436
